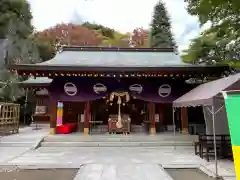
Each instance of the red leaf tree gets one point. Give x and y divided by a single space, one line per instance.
140 37
70 34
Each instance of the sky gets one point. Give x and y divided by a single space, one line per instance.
121 15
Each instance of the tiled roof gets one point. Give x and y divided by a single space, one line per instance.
86 58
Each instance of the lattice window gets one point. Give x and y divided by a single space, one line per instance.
9 118
40 102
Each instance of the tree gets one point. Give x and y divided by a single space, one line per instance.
211 47
46 50
110 37
201 50
119 40
15 10
17 49
214 10
9 89
224 16
160 34
20 49
103 30
69 34
140 38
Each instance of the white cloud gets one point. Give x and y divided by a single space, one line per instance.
122 15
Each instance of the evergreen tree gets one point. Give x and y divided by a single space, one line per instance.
15 45
15 10
161 35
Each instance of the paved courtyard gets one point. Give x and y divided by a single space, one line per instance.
15 145
105 163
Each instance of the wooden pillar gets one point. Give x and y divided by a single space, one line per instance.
151 110
87 117
53 115
184 120
161 117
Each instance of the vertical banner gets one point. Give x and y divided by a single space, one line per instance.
232 103
59 113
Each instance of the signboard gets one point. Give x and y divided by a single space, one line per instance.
156 117
70 89
164 90
99 87
136 88
232 102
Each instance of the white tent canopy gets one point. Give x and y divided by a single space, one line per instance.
203 94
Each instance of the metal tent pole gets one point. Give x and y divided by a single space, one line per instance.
174 127
214 136
214 141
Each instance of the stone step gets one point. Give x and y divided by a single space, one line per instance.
40 125
138 129
116 138
16 144
104 128
115 144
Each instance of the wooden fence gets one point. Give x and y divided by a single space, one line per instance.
9 118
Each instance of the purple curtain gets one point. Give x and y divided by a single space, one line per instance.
88 89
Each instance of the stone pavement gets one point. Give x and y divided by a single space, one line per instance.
103 163
15 145
122 171
110 159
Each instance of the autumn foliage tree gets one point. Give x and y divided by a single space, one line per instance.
70 34
140 38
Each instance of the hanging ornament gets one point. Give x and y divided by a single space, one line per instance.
119 95
119 100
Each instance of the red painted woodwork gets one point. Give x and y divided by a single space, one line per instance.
72 111
87 114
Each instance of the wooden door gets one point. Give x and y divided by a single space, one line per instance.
72 111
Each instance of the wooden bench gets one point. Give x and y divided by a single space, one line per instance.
204 147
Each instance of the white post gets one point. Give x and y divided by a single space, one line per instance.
174 127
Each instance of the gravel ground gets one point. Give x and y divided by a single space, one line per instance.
188 174
38 174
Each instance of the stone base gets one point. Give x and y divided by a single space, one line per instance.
185 131
152 131
52 131
86 131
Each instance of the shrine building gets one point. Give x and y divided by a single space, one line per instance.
115 90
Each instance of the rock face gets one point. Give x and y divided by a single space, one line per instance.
2 52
